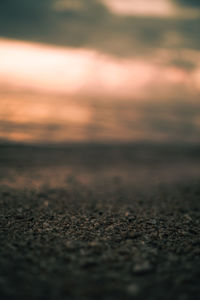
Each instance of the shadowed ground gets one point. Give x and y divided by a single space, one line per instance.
105 222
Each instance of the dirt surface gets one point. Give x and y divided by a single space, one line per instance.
99 222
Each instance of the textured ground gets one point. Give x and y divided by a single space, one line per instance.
99 222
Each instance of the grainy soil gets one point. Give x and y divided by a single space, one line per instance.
99 222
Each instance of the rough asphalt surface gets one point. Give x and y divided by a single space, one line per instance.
99 223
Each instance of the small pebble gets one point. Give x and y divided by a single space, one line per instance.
133 289
142 268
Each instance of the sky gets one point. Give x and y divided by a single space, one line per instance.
99 71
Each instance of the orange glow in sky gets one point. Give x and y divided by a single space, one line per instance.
154 8
145 7
72 71
79 71
46 86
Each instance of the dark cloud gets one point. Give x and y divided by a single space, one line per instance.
184 64
26 19
88 23
192 3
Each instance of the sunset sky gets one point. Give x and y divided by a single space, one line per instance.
99 70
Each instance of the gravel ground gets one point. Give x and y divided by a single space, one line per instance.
99 222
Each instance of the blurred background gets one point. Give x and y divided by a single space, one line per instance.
99 71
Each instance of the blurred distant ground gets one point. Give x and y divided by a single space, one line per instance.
100 221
